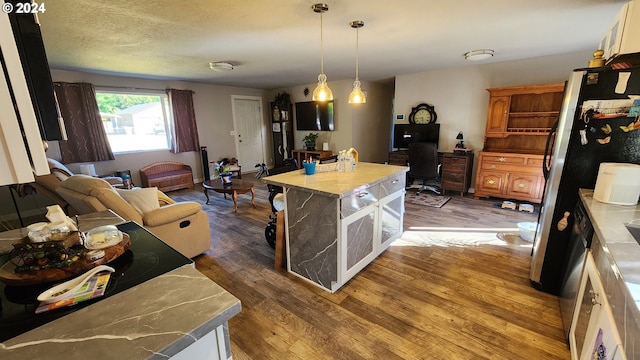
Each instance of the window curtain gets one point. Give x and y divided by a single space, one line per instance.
87 139
184 118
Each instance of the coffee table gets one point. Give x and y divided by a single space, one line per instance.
236 187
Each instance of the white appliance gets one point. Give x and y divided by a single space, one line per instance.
618 183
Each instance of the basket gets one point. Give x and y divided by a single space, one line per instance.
527 230
326 167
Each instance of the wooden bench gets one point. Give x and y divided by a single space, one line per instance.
167 176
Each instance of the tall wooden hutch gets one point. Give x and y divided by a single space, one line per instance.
519 121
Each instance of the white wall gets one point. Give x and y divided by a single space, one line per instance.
366 127
213 110
460 97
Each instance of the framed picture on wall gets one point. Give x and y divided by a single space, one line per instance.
275 127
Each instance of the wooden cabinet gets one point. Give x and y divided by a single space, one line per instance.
456 172
520 117
282 133
510 176
302 154
519 121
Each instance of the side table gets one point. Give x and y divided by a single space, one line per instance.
456 172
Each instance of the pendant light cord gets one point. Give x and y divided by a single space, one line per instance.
321 48
357 50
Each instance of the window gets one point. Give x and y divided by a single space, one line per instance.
135 121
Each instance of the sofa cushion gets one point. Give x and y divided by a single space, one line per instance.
144 200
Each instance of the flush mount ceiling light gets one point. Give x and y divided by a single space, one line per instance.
357 96
322 91
221 66
477 55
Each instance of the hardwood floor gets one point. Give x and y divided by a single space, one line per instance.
413 302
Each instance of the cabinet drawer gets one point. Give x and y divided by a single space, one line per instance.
453 177
534 170
453 168
361 198
391 185
447 160
502 159
534 162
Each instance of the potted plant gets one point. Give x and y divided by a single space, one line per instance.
310 141
283 101
223 169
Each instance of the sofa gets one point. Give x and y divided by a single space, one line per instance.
47 184
167 176
182 225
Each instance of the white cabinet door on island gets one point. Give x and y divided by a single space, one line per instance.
337 223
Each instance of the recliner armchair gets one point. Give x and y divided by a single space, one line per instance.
47 184
184 226
423 165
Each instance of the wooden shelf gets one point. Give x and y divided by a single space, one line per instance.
528 131
530 114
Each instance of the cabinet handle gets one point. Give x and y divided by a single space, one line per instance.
594 297
363 194
502 159
520 185
491 182
395 181
492 166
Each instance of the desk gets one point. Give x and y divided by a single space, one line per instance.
456 169
301 154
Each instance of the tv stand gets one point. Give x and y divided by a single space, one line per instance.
302 154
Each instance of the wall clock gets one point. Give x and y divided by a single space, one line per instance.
423 114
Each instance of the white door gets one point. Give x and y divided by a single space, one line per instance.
249 129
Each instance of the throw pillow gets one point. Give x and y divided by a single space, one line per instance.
144 200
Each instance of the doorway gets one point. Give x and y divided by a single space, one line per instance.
249 130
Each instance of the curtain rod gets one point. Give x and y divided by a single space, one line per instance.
124 88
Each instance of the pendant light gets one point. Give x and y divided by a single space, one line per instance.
322 91
357 95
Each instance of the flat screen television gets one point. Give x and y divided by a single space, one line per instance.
405 134
314 115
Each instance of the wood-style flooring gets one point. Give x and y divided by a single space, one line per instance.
472 302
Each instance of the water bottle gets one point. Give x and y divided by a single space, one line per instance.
349 163
341 161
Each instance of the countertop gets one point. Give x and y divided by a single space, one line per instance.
336 184
608 222
87 222
155 319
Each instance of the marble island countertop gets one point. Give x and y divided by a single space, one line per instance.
336 184
155 319
609 224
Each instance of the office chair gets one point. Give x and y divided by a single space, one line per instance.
423 165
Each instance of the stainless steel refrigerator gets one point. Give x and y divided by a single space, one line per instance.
598 122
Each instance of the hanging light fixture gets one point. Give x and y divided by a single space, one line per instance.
322 91
357 96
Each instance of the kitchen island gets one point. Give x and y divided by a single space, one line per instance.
156 306
336 223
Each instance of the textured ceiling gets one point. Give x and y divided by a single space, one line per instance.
276 43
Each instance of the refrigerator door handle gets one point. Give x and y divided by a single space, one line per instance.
548 149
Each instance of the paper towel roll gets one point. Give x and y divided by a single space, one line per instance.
325 146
